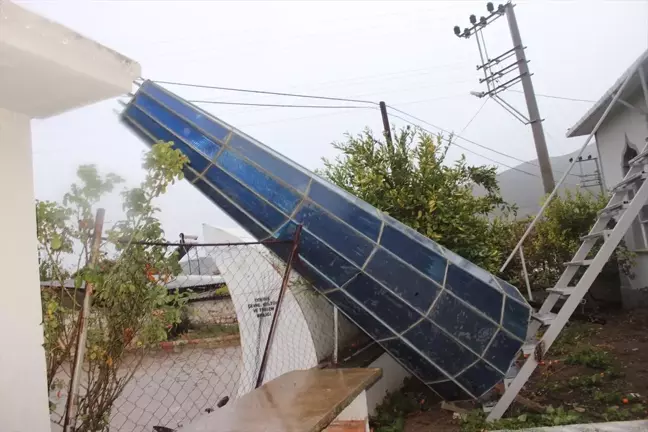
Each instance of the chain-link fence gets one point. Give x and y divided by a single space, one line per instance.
207 330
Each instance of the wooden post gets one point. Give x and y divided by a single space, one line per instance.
72 405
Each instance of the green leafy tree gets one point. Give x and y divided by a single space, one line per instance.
555 239
132 308
411 180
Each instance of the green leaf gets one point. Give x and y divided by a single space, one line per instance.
56 242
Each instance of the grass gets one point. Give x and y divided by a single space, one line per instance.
390 415
214 330
222 291
590 357
476 420
580 382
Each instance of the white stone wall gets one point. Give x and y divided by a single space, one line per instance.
393 376
23 391
217 311
631 127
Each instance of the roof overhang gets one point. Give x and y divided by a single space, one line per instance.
47 69
586 124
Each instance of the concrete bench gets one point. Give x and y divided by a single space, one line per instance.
310 400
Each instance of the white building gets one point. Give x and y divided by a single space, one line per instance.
620 137
45 70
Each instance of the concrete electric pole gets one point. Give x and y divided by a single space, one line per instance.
495 86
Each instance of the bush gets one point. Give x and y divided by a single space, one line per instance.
555 239
412 181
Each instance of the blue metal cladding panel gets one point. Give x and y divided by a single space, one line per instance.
450 323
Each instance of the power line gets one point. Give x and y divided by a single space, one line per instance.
557 97
459 136
474 116
471 141
299 118
276 105
466 149
266 92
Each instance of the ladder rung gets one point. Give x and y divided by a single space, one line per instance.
628 181
544 318
638 158
565 291
598 234
579 263
614 207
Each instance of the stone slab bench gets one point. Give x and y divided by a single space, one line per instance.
299 401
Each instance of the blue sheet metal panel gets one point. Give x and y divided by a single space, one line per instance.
186 111
471 289
189 174
426 257
251 203
177 126
247 222
320 256
516 317
377 299
412 360
465 324
156 132
472 269
479 378
403 280
278 167
354 212
359 315
444 351
263 184
502 350
510 290
312 275
450 390
382 274
338 235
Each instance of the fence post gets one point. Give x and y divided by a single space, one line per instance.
72 404
273 324
335 335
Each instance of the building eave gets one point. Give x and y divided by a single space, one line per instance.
39 57
586 124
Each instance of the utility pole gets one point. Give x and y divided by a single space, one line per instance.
590 180
385 121
495 86
532 104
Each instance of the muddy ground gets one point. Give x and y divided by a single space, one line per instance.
594 372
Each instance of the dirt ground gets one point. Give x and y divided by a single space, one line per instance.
594 372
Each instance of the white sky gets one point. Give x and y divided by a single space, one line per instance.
404 53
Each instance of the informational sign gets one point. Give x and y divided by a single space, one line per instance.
263 306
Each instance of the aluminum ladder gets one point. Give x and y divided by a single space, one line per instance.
623 207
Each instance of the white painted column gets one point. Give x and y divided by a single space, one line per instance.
23 381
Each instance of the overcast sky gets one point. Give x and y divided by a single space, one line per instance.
404 53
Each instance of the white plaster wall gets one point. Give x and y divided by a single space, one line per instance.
611 144
393 375
356 410
250 275
610 138
23 382
80 71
